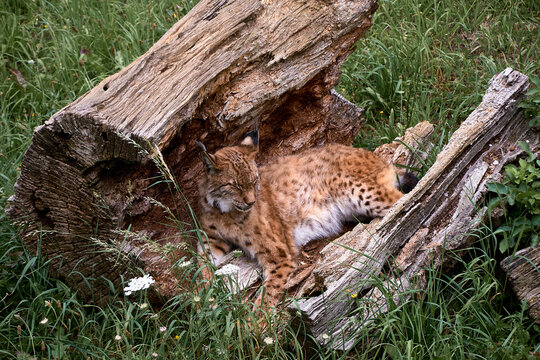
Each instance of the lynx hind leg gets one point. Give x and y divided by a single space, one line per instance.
383 200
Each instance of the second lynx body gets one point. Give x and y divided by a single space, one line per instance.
271 211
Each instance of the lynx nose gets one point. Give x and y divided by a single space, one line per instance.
249 198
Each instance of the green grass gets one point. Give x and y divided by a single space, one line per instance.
210 325
432 60
459 316
419 62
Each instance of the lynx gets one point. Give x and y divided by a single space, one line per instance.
272 211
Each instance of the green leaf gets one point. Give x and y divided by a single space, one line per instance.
525 146
517 234
502 229
493 203
497 188
503 245
534 240
512 172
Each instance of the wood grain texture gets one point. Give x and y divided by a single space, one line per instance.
439 215
523 270
85 180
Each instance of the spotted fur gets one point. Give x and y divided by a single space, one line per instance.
273 210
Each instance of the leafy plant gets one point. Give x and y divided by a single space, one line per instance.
532 103
519 193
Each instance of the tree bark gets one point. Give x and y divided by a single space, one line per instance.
87 192
426 228
440 215
523 270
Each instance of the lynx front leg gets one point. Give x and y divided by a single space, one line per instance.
212 251
277 271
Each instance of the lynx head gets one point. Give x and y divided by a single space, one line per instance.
232 175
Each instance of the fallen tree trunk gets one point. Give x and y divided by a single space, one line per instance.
523 270
387 257
441 214
85 179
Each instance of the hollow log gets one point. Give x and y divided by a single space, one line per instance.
410 150
440 215
438 218
87 194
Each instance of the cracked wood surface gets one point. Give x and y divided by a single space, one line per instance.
523 270
439 215
85 180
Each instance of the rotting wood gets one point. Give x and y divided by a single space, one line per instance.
523 270
410 150
439 215
84 180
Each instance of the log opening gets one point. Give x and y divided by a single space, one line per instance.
84 180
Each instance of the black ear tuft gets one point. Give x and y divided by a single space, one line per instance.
201 145
252 138
208 159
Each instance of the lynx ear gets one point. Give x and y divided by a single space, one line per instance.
252 138
208 160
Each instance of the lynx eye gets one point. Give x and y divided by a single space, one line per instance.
234 185
228 185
